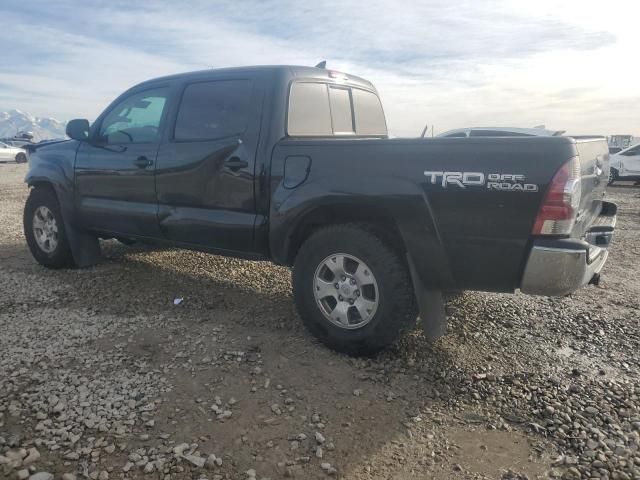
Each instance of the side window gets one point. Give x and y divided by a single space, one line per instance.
136 119
309 112
340 100
212 110
368 113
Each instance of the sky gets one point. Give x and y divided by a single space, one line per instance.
568 64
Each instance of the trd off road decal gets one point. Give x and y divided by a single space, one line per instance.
490 181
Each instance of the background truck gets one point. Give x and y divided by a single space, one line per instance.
294 165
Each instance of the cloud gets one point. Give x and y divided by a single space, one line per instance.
451 64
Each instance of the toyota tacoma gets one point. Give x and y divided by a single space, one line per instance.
294 165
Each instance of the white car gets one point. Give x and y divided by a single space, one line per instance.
625 165
9 153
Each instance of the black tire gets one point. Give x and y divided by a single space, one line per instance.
61 256
613 176
396 309
21 158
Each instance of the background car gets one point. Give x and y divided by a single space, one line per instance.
9 153
625 165
500 132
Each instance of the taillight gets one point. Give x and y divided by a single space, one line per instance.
558 212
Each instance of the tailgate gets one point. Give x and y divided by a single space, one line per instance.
594 160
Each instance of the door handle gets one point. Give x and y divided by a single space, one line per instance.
234 163
142 162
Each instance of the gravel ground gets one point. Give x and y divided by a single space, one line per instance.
103 377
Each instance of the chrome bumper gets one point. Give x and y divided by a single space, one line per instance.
559 267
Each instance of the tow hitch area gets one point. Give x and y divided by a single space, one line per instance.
601 232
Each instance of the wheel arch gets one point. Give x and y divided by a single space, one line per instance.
84 246
380 221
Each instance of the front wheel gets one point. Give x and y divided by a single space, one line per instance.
44 229
613 176
352 290
21 158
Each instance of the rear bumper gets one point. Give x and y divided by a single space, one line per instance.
558 267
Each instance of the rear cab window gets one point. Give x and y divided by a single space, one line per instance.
324 109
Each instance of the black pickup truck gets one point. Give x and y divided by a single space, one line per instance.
294 165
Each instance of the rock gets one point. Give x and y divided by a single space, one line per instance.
210 463
68 476
320 438
319 452
572 474
180 449
41 476
327 468
275 408
357 392
135 457
33 456
128 466
195 460
149 467
103 475
22 474
251 473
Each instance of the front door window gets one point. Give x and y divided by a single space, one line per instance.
136 119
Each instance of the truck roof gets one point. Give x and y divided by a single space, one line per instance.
292 71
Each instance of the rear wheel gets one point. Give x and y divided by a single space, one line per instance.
613 175
44 229
352 291
21 158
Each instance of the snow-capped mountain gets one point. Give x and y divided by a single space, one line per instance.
42 128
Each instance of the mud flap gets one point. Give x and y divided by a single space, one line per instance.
85 247
431 305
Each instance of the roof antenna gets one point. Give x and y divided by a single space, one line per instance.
322 64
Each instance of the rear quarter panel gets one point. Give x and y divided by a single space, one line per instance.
467 238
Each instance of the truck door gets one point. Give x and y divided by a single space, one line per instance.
115 187
206 168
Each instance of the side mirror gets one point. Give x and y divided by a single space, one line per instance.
78 129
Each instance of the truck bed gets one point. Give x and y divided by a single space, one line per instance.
476 237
